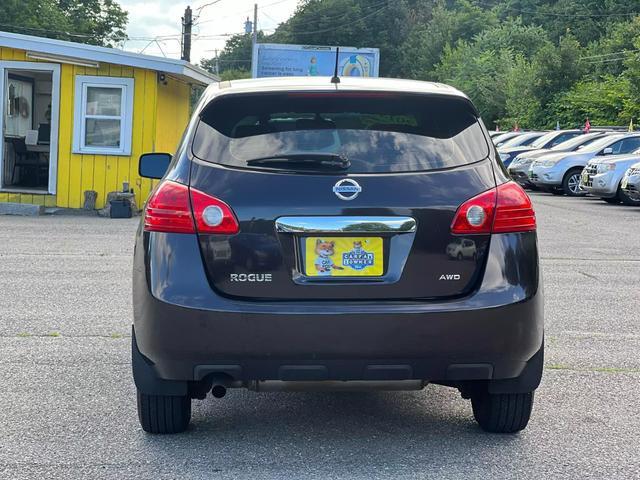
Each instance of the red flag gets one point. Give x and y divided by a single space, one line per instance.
587 126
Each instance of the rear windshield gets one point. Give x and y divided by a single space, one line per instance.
368 132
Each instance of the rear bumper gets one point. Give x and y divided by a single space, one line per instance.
184 331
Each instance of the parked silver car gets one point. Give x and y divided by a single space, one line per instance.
519 167
630 184
602 177
560 173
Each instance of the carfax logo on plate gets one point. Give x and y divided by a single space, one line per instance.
358 258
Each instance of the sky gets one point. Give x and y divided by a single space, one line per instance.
213 24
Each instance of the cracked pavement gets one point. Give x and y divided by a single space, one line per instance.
69 402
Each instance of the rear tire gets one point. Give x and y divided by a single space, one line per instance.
502 412
571 183
164 413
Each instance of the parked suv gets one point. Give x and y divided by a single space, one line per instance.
602 177
354 191
519 167
561 173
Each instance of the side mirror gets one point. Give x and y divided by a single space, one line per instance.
153 165
607 151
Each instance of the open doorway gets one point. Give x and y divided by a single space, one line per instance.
29 120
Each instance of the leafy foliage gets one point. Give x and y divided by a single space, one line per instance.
97 22
531 62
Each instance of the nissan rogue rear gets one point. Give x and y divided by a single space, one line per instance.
301 239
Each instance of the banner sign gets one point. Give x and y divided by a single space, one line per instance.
278 60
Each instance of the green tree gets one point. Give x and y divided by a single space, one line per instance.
488 69
557 69
522 105
97 22
602 101
422 49
586 20
481 74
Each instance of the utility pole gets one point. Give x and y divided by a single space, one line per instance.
254 41
187 23
217 66
255 24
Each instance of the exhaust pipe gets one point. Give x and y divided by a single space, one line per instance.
219 391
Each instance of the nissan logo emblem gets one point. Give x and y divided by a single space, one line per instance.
347 189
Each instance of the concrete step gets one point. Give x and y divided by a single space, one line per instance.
24 209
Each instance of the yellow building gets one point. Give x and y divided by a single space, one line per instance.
76 118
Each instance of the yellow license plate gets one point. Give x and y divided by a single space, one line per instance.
343 256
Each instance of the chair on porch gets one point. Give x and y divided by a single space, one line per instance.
24 159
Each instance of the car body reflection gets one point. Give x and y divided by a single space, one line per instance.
462 248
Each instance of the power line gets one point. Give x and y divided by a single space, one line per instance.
242 12
609 60
341 26
551 14
199 9
332 17
621 52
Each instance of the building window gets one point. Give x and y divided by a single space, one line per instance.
103 115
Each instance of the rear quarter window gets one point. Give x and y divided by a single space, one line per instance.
374 132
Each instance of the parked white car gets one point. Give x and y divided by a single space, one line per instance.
602 177
560 173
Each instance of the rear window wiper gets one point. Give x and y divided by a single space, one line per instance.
332 161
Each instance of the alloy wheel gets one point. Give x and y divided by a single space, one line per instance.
574 184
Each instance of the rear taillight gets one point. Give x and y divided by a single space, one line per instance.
212 215
170 209
504 209
514 212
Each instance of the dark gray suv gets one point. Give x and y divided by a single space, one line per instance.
301 238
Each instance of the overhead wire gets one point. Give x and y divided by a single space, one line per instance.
552 14
241 12
621 52
344 24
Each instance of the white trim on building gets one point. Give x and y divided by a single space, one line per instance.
55 115
71 52
125 87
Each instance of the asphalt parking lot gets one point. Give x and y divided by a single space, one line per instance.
68 402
